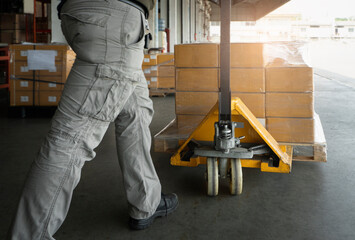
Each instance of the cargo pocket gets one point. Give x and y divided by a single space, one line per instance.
85 33
107 95
135 39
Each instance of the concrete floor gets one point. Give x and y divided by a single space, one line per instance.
315 201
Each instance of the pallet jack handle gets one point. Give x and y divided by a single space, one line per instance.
225 53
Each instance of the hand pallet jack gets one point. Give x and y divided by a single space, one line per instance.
215 143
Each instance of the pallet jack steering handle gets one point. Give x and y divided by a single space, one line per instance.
225 53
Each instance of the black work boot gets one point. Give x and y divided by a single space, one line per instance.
167 205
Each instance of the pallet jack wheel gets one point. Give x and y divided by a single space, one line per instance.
212 177
236 177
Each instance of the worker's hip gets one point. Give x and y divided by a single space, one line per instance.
105 31
99 91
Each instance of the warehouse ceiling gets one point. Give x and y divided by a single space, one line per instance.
247 10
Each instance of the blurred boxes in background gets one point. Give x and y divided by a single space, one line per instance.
159 71
38 73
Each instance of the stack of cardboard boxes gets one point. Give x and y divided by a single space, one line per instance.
38 86
159 71
13 28
279 95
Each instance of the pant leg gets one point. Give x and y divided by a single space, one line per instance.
54 174
133 140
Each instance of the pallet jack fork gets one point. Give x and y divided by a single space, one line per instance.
215 141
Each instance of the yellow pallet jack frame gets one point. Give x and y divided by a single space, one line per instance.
253 129
227 120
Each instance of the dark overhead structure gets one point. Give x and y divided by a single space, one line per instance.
247 10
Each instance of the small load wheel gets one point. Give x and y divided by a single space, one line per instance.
236 177
212 177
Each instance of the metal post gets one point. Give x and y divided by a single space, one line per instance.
225 92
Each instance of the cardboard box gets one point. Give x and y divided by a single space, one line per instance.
50 83
61 50
150 71
150 59
12 21
19 51
166 71
188 121
254 101
197 79
12 36
166 82
248 80
247 55
152 82
20 69
23 98
197 55
289 105
166 59
293 130
23 85
289 79
49 98
195 103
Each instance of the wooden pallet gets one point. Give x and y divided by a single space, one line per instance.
171 137
160 92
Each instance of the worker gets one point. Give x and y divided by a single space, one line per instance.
106 84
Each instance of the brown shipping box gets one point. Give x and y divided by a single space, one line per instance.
150 60
197 55
152 82
49 98
254 101
166 82
248 80
294 130
289 79
247 55
166 71
23 85
289 105
150 71
12 36
23 98
197 79
19 51
11 21
50 83
199 103
166 59
20 69
195 103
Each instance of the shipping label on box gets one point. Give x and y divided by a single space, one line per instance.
49 98
289 105
23 98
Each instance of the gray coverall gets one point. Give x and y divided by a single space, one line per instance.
106 84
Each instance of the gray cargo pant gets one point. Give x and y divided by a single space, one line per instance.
106 85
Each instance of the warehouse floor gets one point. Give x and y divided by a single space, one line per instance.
315 201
